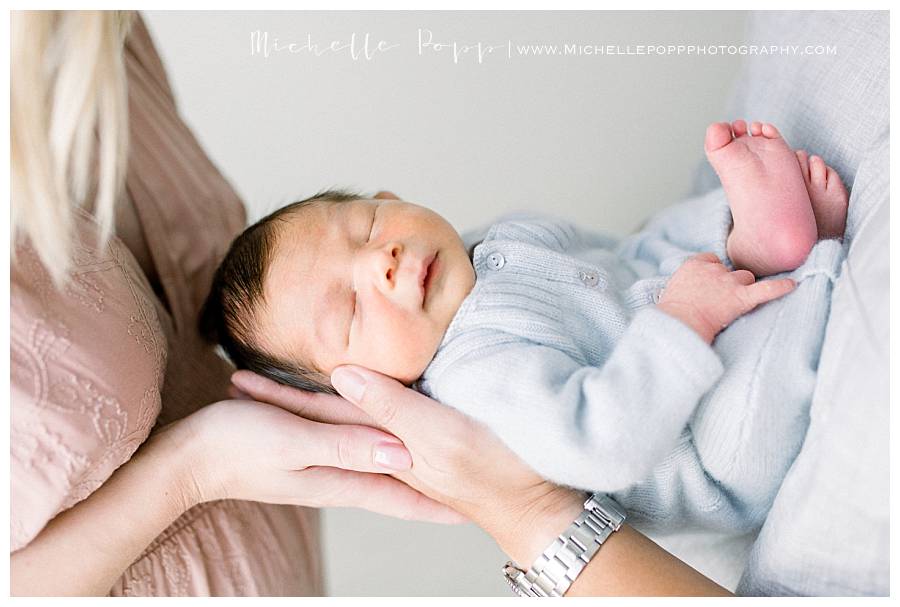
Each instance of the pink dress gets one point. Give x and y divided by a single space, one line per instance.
96 366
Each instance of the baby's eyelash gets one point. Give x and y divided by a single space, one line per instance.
352 318
355 296
372 225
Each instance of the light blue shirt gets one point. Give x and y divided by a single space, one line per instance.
561 350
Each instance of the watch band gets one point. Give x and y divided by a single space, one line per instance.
558 566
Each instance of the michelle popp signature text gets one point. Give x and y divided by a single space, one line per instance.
366 46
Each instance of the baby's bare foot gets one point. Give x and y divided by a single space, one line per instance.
826 193
774 225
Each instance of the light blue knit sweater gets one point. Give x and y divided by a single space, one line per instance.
560 350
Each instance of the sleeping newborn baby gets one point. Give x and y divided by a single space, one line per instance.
596 360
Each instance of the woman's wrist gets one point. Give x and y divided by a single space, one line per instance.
525 530
84 549
177 447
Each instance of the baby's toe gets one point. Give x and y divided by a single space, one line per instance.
803 161
718 135
739 127
756 128
817 171
833 180
769 131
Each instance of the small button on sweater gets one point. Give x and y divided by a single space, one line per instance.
561 350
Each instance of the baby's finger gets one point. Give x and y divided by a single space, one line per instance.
707 256
744 277
767 290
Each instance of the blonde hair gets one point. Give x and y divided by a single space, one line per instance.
69 126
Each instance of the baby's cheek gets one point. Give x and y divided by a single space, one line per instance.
400 344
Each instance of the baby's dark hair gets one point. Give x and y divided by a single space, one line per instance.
229 314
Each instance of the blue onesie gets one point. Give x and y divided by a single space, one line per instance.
561 351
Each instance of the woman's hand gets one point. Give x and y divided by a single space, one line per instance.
463 464
455 460
248 450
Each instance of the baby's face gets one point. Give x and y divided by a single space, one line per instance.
370 282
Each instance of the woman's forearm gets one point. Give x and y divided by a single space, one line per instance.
85 549
628 563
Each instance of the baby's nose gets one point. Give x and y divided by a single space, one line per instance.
386 262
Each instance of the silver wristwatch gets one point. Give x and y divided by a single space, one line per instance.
555 570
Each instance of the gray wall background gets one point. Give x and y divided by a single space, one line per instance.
603 139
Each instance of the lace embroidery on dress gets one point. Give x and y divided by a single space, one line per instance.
98 433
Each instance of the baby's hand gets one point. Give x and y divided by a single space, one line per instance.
705 296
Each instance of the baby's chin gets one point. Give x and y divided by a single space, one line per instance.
411 374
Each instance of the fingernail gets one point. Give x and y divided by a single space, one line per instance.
392 456
349 383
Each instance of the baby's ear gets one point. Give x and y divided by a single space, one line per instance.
385 195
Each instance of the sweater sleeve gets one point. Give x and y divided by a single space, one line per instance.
596 428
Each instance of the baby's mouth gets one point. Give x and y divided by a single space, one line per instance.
429 270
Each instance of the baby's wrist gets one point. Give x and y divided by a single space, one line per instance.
689 316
